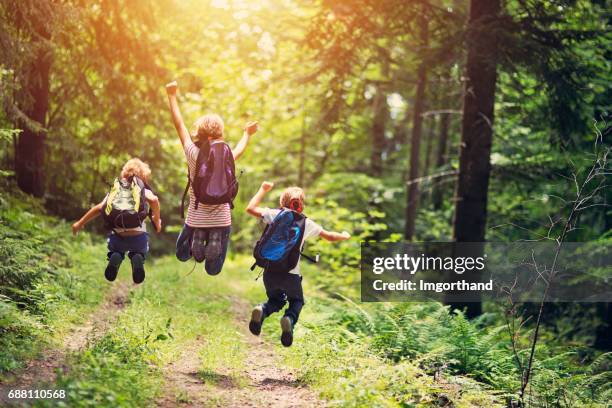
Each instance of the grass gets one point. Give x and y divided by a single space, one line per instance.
168 315
351 354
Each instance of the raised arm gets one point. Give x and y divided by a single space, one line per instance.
92 213
177 118
334 236
249 130
253 208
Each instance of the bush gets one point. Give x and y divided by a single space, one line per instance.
437 341
36 277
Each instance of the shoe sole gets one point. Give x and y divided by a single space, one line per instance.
212 250
287 335
198 246
138 272
255 323
110 273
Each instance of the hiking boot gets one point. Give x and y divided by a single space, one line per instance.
198 245
287 328
114 261
213 247
138 272
256 320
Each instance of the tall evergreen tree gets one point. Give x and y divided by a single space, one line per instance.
470 218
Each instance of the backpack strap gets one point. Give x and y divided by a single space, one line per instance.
111 196
150 212
205 149
142 200
185 194
313 260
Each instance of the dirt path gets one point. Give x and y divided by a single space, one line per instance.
263 382
43 369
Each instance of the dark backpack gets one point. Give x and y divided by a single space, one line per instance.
215 179
279 248
125 205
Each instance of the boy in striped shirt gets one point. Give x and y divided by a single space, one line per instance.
205 234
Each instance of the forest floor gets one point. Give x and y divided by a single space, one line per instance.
262 381
53 359
190 330
181 338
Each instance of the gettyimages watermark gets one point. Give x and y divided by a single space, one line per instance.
480 271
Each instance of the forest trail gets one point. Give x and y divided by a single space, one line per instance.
261 382
43 370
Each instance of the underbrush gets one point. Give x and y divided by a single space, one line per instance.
41 283
421 354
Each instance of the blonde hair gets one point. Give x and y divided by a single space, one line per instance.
136 167
291 193
207 126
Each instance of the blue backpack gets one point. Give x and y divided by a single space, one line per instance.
279 248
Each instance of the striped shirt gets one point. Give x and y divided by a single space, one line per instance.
205 216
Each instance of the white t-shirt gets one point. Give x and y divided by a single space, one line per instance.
311 229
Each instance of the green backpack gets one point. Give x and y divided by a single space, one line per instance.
126 204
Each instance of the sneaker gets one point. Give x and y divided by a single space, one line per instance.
256 320
213 247
198 245
138 272
114 261
287 328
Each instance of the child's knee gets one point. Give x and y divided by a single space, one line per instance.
183 256
183 252
212 268
276 302
116 255
131 254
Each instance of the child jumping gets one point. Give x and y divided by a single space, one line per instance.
278 252
124 210
205 235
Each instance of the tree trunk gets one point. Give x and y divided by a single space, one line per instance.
476 131
381 112
30 147
438 191
417 123
603 340
431 135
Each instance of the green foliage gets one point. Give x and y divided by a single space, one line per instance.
105 383
19 332
37 280
309 73
428 336
353 357
118 369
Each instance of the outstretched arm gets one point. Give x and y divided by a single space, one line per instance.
334 236
177 118
92 213
249 130
253 208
